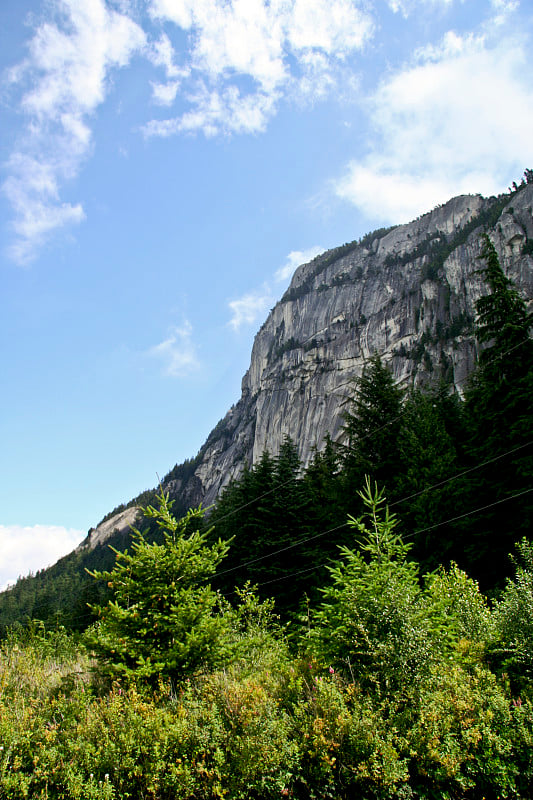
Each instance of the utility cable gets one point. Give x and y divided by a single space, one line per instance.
396 502
416 533
362 438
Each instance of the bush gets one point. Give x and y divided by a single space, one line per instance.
460 736
513 649
374 623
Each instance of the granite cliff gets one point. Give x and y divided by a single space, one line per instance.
406 292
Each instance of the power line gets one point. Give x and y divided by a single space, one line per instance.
460 474
469 513
397 502
362 438
315 567
282 549
305 540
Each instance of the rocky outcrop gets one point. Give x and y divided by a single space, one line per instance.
117 524
407 293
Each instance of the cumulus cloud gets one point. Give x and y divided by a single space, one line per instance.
278 49
25 549
161 54
294 259
407 7
214 112
250 307
456 120
62 81
177 353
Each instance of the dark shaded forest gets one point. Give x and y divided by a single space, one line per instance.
361 628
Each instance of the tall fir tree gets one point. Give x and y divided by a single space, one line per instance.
427 460
498 410
371 428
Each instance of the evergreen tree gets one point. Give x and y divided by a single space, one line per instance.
371 427
275 521
230 521
498 406
374 623
427 458
164 619
325 520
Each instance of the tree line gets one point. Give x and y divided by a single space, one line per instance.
379 671
457 468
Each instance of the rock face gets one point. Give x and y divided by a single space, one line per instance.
119 523
407 293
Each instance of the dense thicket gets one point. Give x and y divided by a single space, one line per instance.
399 686
458 468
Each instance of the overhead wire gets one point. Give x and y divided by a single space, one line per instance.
315 567
366 436
307 539
396 502
362 438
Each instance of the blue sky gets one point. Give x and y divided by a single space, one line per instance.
165 165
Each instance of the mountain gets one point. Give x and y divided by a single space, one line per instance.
406 292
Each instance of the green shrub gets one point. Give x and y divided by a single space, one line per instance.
513 649
460 740
374 623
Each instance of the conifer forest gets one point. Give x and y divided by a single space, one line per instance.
361 628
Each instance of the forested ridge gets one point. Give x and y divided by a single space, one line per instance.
361 628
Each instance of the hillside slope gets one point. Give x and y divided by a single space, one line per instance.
407 293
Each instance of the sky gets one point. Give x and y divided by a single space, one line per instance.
164 167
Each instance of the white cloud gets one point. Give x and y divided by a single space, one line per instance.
294 259
457 120
164 94
25 549
177 353
67 70
336 27
161 54
252 306
277 49
407 7
218 112
503 9
32 189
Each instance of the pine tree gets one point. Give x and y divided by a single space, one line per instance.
164 619
371 427
502 325
427 458
498 407
374 623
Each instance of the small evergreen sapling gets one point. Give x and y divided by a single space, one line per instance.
374 623
164 619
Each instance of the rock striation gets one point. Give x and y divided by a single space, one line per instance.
407 293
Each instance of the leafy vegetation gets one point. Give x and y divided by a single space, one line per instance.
395 688
309 645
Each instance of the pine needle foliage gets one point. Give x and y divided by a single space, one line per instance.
374 623
164 619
